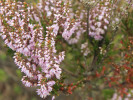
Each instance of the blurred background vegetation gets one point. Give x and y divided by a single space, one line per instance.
11 87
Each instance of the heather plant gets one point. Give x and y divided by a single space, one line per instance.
55 39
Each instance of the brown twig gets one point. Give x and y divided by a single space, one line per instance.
70 73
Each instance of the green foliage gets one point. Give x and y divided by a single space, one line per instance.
56 88
107 93
3 56
34 98
18 72
3 76
10 52
17 89
127 24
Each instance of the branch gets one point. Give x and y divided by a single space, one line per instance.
90 39
107 49
70 73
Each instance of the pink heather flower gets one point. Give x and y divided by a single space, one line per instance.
55 28
52 72
97 20
27 84
45 89
43 92
26 51
64 20
36 60
58 74
114 97
101 16
51 83
53 98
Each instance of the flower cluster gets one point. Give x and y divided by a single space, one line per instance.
70 22
35 54
99 19
104 15
65 21
84 49
31 31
